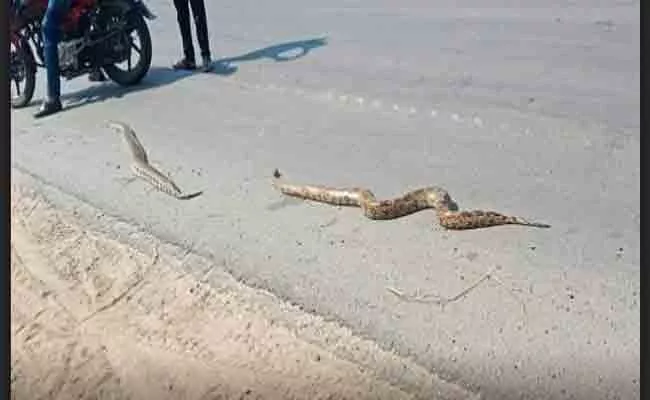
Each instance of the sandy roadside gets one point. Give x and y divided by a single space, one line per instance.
93 317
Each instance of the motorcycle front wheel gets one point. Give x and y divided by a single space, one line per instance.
22 72
132 74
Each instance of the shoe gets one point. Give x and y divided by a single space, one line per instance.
207 64
185 64
49 107
97 76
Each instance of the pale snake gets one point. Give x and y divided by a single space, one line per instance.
141 167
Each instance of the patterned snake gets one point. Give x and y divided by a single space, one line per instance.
412 202
141 167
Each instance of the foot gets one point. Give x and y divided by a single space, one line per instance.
207 64
185 64
97 76
49 107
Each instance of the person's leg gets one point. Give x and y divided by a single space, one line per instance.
201 24
51 25
183 18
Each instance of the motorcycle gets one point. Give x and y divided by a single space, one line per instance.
94 34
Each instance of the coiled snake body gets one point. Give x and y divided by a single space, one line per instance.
425 198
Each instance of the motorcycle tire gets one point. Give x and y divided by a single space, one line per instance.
24 53
133 77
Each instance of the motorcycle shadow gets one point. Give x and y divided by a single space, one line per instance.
159 76
100 92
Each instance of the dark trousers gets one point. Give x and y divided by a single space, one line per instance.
51 36
201 23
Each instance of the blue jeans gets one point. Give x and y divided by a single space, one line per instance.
56 9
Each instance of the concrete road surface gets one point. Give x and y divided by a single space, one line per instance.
529 108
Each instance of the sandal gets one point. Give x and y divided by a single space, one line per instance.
207 64
185 64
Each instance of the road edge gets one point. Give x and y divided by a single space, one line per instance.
331 336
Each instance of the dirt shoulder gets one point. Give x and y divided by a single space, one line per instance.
95 317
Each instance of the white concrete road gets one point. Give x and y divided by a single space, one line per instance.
530 108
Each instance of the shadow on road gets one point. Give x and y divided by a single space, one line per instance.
159 76
280 52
